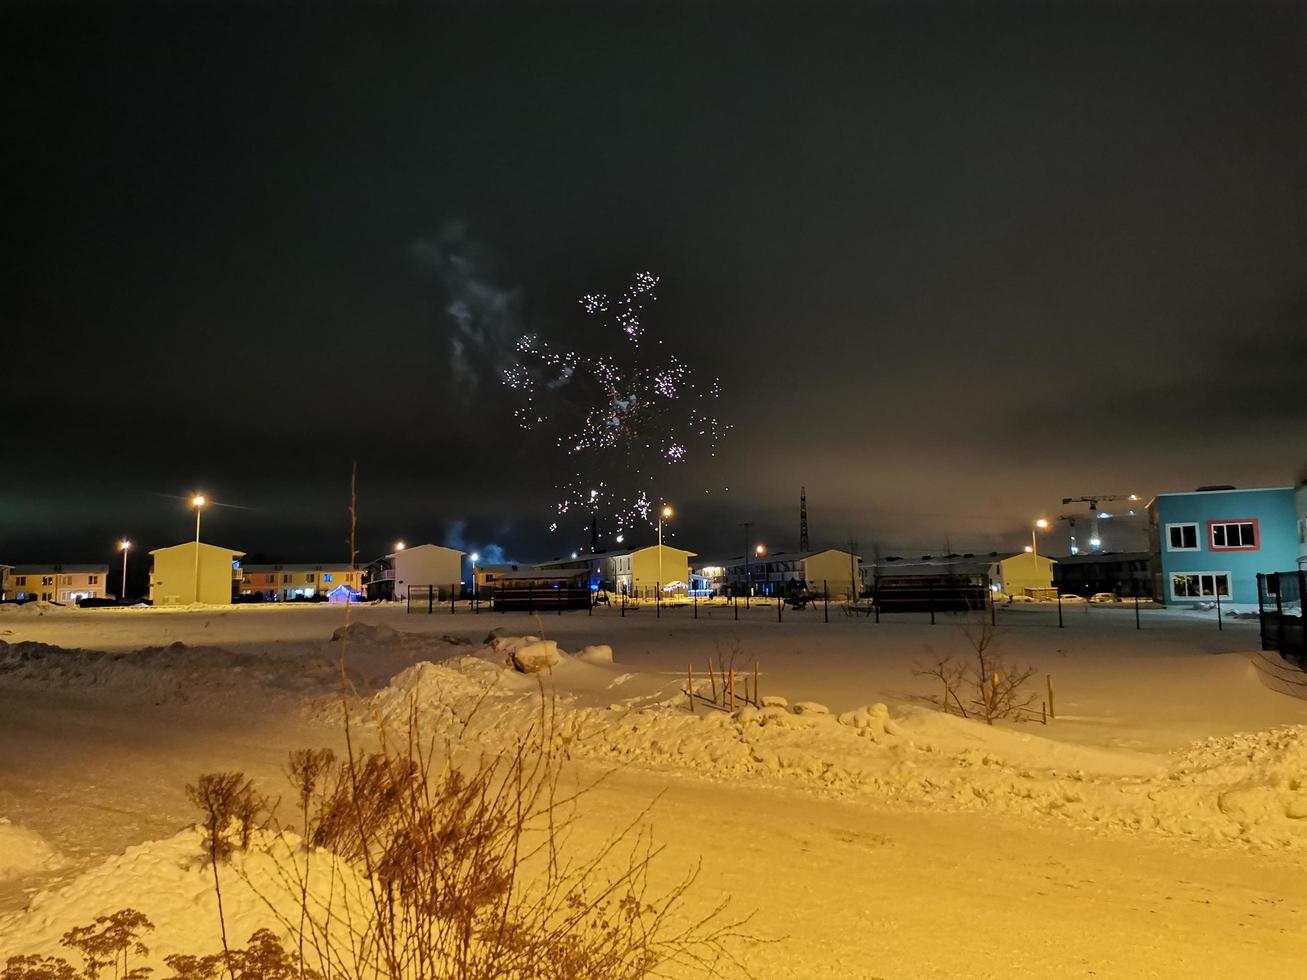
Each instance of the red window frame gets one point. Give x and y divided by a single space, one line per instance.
1257 534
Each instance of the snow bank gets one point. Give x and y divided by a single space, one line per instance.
176 672
1249 788
23 852
166 880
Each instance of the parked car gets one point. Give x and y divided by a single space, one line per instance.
1071 597
1020 598
1104 597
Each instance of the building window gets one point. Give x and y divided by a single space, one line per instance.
93 580
1200 585
20 580
285 578
309 577
47 580
326 577
1182 537
1233 535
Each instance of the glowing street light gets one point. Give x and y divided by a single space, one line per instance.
124 545
474 558
1041 525
664 514
198 503
399 545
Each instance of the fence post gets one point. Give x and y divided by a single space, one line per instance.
623 605
1279 614
530 599
1059 610
408 601
560 600
875 599
431 600
1138 626
696 605
735 602
825 601
992 616
453 594
658 600
1219 624
930 598
780 606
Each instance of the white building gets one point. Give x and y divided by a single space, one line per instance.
422 566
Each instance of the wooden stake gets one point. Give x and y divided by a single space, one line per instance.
1051 712
1043 712
757 699
689 685
712 676
732 688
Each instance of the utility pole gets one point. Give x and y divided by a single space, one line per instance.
746 525
803 518
854 593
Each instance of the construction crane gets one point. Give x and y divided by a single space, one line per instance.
1093 501
1095 541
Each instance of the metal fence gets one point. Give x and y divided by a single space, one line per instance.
1280 613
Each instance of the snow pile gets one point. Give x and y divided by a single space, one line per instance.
171 673
23 852
168 882
1250 788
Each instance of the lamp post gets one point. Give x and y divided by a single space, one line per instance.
1040 525
123 546
664 514
475 558
399 545
759 551
744 557
198 503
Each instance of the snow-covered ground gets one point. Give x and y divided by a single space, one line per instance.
1156 827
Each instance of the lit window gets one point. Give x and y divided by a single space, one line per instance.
326 577
1231 535
1200 585
1182 537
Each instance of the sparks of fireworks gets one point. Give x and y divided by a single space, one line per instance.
621 416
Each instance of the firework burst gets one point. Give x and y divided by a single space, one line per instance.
622 418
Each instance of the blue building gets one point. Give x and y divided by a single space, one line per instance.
1213 542
1302 523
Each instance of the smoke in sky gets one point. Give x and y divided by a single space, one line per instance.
487 554
483 319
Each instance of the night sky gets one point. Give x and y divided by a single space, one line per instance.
951 263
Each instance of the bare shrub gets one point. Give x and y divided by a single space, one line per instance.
37 968
985 682
263 958
230 809
469 874
108 943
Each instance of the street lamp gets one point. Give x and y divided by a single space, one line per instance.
123 546
475 558
664 514
399 545
759 551
198 503
1041 525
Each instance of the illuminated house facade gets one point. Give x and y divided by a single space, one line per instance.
423 565
55 583
179 578
279 583
635 572
1212 543
785 573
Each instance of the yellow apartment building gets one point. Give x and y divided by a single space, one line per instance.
174 573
